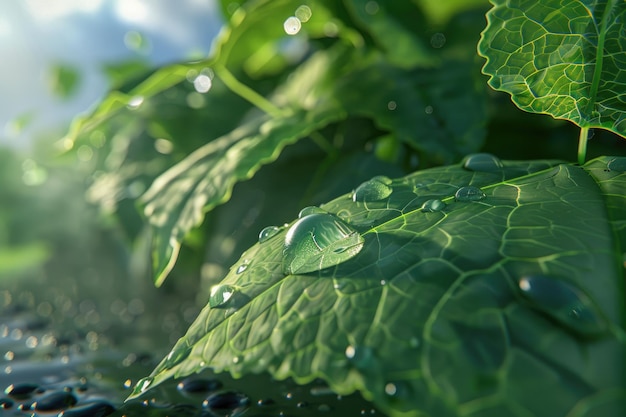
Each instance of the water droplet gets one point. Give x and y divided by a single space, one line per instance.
483 162
361 357
390 388
392 105
373 190
267 233
135 102
469 193
176 356
319 241
226 403
143 384
21 391
194 385
202 83
617 164
310 210
241 268
414 342
428 109
433 205
220 294
55 401
564 303
96 408
292 25
372 7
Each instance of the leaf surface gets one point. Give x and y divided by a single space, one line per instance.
564 58
504 301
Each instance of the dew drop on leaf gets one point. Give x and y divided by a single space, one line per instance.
564 303
292 25
267 233
483 162
143 384
433 205
220 294
617 164
310 210
176 356
469 193
319 241
241 268
361 357
378 188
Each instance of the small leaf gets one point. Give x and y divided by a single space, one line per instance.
63 80
563 58
509 304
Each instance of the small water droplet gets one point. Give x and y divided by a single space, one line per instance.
391 389
383 282
361 357
433 205
267 233
220 295
310 210
392 105
564 303
483 162
319 241
241 268
469 193
292 25
414 342
135 102
373 190
617 164
226 403
176 356
428 109
143 384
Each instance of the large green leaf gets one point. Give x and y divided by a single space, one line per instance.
499 300
565 58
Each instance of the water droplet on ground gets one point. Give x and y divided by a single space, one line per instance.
483 162
617 164
564 303
310 210
469 193
267 233
194 385
376 189
22 391
226 403
220 294
55 401
94 409
319 241
431 206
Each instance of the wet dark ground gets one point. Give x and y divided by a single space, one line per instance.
75 357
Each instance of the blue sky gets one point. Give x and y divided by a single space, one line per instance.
86 34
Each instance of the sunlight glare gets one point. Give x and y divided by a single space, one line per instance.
45 10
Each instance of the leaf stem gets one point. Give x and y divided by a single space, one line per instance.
597 71
246 92
582 145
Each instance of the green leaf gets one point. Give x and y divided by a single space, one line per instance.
63 80
563 58
487 288
177 200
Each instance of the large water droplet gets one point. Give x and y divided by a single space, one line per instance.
433 205
564 303
267 233
469 193
143 384
378 188
226 403
55 401
220 294
310 210
483 162
195 385
617 164
319 241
